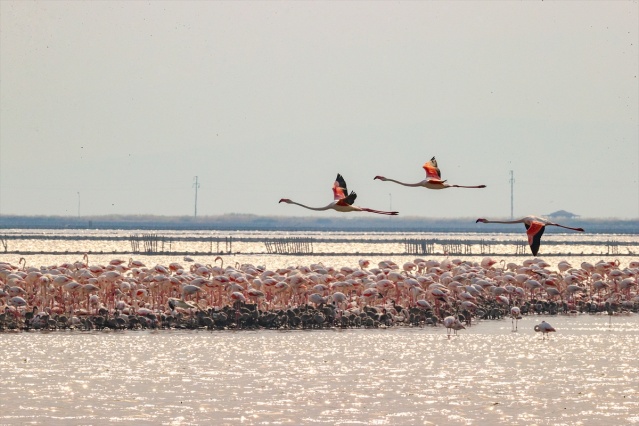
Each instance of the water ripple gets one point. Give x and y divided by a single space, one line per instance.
586 373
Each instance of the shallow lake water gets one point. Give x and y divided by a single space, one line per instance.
587 373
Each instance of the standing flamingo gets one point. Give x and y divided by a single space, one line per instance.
535 227
342 202
515 315
545 328
452 323
433 178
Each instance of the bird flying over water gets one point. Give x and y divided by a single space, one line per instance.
342 200
433 178
535 227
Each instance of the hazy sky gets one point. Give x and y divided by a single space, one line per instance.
124 103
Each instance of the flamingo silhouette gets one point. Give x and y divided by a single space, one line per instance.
433 178
342 202
535 227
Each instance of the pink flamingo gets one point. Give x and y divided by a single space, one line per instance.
452 323
341 202
535 227
544 328
433 178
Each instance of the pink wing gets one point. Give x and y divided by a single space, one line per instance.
432 171
339 188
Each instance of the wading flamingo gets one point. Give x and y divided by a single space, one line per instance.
545 328
452 324
342 202
433 178
515 316
535 227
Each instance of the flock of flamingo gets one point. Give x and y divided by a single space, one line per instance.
130 295
343 202
455 293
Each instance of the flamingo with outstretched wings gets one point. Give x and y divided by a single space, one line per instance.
342 200
433 178
535 227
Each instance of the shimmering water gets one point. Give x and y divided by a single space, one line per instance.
552 246
587 373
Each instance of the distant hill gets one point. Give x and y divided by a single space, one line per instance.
346 223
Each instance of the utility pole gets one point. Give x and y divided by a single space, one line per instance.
196 185
512 181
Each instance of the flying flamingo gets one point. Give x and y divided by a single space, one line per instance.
433 178
535 227
342 202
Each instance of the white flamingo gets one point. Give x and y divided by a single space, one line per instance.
515 315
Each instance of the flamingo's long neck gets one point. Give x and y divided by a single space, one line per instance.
404 183
506 221
312 208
